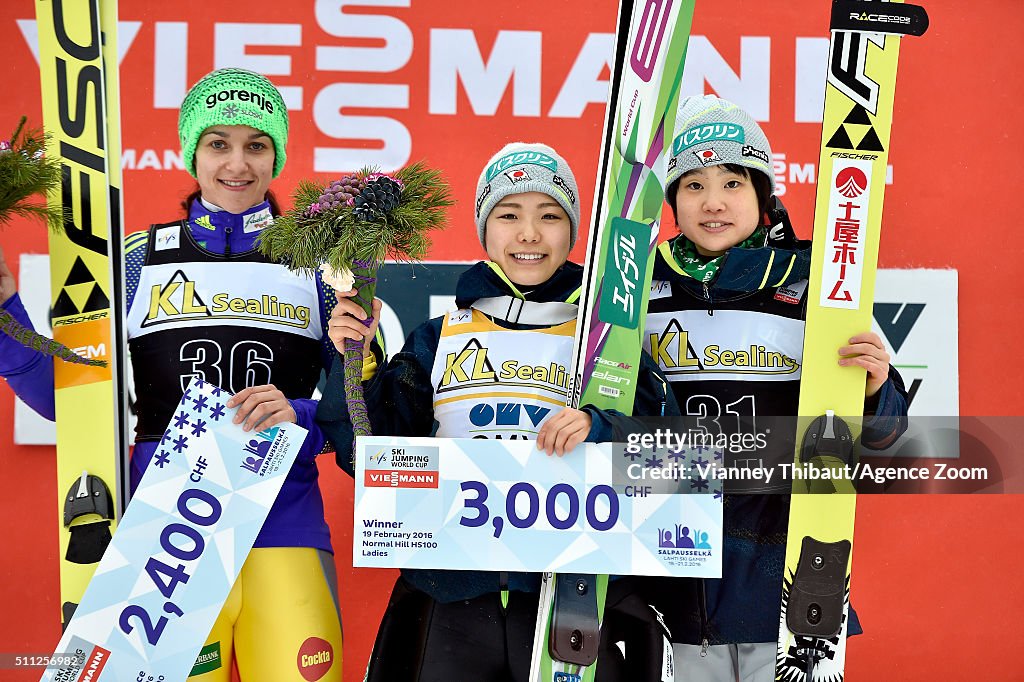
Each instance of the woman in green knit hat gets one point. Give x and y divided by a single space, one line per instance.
281 619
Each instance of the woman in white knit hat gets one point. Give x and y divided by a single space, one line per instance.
733 279
520 306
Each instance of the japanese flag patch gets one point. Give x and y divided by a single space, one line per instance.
708 156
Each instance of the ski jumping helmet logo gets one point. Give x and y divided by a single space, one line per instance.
851 182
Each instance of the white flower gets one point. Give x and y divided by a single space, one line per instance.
340 280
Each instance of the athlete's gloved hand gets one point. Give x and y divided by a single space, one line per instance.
867 350
347 322
563 431
8 287
262 406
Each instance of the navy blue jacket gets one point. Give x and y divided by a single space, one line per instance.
743 606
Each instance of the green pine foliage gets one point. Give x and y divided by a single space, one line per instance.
26 174
305 237
323 227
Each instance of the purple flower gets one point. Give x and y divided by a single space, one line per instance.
374 176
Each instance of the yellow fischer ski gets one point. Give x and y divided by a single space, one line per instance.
78 69
847 223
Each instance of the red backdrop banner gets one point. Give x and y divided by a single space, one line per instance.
387 82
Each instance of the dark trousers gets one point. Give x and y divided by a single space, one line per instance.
424 640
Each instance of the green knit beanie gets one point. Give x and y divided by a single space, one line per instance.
233 97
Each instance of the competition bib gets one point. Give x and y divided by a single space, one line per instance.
735 345
491 382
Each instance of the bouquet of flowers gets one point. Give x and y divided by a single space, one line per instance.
346 229
26 174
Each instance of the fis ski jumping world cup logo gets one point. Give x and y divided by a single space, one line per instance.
412 466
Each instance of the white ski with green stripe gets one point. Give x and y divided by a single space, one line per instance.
651 41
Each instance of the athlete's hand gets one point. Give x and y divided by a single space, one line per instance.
867 350
8 286
262 406
347 322
563 431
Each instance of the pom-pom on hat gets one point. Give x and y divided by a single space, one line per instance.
233 97
521 167
710 132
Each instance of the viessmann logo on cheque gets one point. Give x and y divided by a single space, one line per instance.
412 466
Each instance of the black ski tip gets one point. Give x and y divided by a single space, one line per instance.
892 18
67 611
924 21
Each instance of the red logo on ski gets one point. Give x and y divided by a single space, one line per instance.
851 182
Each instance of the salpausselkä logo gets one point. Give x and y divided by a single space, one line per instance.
257 450
682 537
